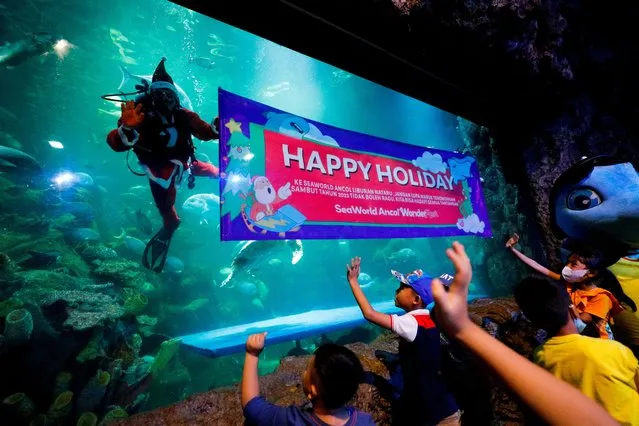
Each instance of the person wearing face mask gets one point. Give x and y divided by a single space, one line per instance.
159 131
592 307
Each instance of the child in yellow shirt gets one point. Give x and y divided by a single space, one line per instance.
604 370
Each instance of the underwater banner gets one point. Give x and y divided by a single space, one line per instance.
288 177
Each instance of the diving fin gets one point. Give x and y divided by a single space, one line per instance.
157 249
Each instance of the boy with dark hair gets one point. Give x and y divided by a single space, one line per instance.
604 370
331 379
425 398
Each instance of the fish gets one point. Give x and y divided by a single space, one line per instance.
203 62
217 51
173 265
596 201
5 113
365 280
273 90
98 252
254 254
340 76
75 180
247 288
73 235
70 194
216 40
40 259
19 159
112 113
19 165
145 80
298 350
83 180
297 128
137 189
9 141
131 245
18 52
79 209
404 255
204 206
143 222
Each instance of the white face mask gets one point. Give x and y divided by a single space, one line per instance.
573 275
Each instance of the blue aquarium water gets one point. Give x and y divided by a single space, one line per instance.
76 306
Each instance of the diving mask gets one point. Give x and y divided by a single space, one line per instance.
166 98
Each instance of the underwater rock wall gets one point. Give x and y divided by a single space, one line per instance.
498 266
556 79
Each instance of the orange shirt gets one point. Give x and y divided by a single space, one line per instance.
596 302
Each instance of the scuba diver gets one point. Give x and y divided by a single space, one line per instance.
160 132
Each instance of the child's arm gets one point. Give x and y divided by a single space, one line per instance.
257 410
250 381
378 318
555 401
528 261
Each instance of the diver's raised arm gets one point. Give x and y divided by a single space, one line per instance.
200 128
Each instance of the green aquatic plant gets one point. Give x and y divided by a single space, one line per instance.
62 383
9 305
18 326
61 407
114 415
167 350
136 344
146 324
74 265
134 302
19 405
93 392
93 349
195 305
87 419
7 266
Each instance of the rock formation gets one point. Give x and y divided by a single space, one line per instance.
484 399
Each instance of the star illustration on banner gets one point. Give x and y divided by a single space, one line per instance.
234 126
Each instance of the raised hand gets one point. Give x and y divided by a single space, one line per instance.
352 269
452 306
132 116
255 343
512 240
